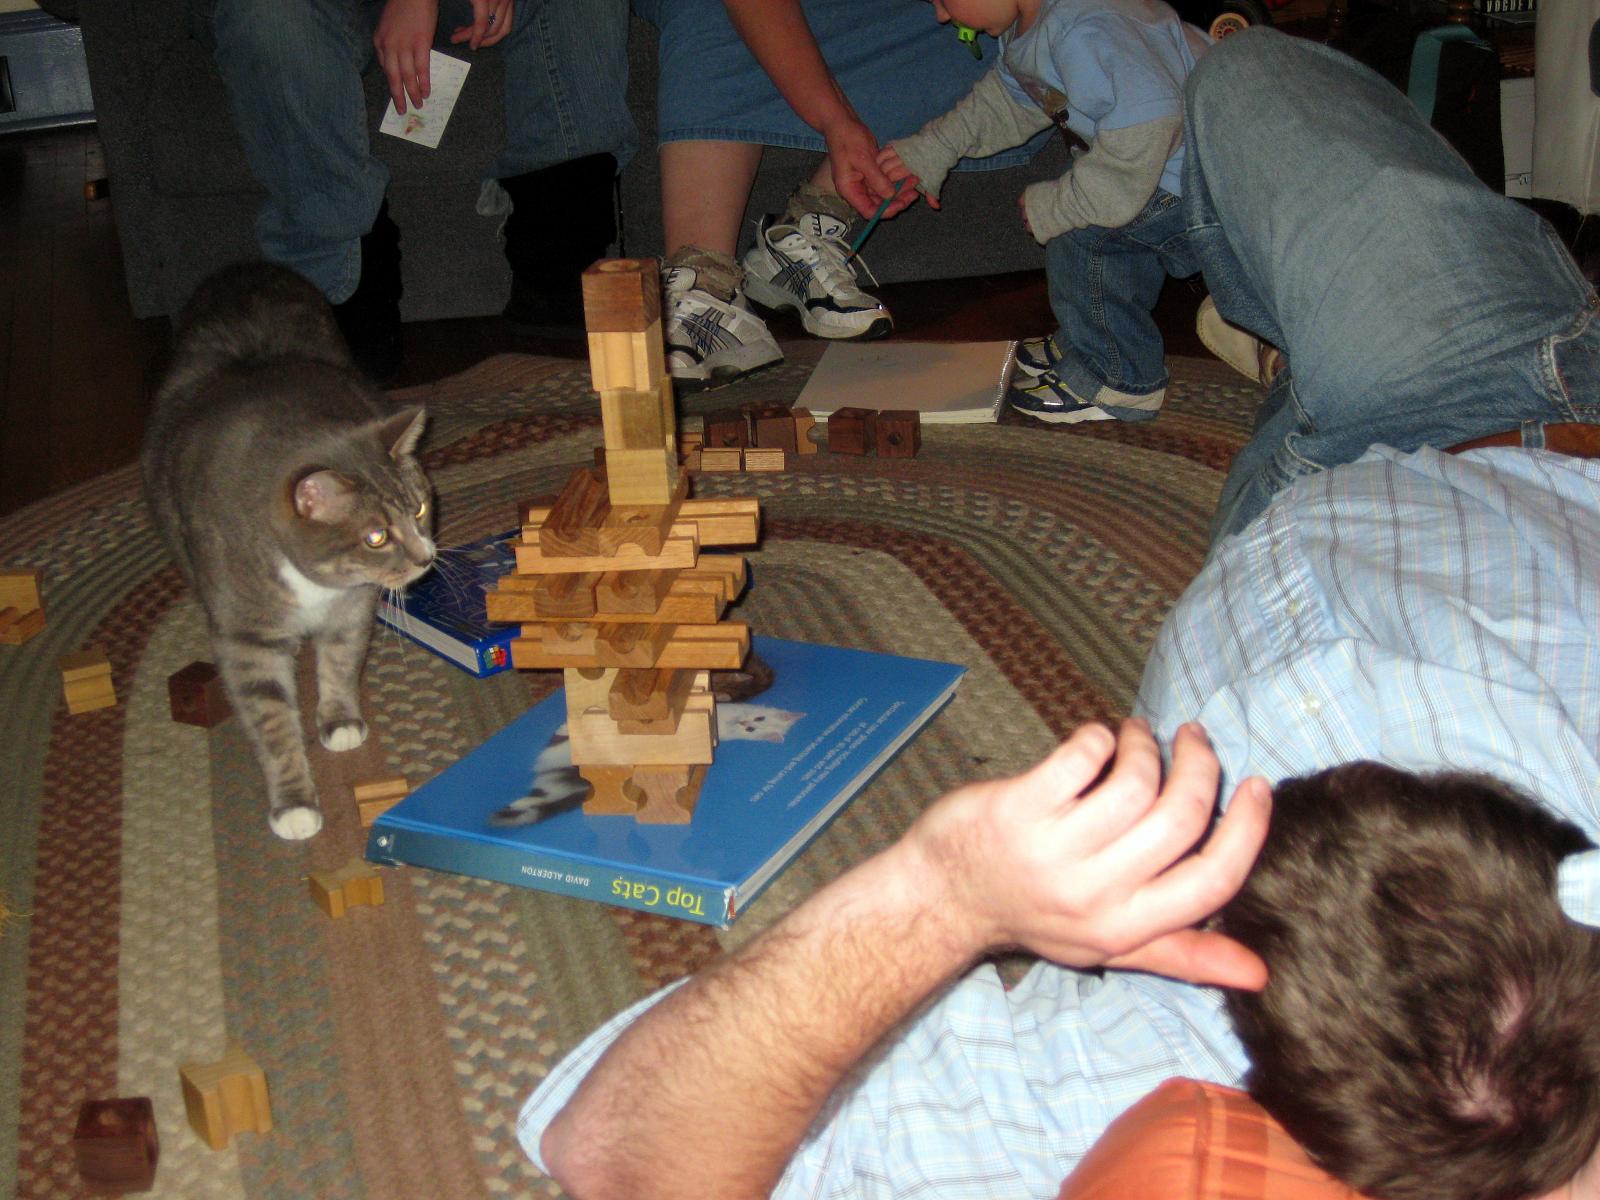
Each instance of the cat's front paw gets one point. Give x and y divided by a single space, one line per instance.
345 734
296 823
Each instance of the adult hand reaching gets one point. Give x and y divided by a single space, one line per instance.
491 21
403 40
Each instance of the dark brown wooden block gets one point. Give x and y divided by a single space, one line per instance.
115 1145
726 429
197 696
899 433
774 428
852 431
621 295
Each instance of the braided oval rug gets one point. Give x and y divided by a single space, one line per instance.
149 916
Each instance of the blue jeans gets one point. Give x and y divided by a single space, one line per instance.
1103 285
293 73
1415 306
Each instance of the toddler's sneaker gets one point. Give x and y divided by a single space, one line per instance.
1035 356
1047 398
800 261
712 338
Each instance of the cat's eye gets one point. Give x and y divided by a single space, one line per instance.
422 510
376 539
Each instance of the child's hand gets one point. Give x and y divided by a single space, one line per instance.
889 162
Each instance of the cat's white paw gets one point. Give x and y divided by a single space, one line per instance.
343 735
295 824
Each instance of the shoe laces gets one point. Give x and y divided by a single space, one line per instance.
825 251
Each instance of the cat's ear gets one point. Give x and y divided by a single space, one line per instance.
324 496
401 432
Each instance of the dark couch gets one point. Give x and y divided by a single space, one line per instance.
185 202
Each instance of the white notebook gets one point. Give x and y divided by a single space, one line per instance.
947 382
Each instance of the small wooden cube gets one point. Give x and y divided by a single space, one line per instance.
621 295
374 797
19 588
18 625
726 429
758 459
115 1145
774 428
195 696
721 460
852 431
352 885
226 1097
804 423
899 433
86 681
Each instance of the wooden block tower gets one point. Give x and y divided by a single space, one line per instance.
612 585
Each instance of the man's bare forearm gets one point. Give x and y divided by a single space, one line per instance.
711 1091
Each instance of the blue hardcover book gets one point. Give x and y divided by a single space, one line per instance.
445 610
788 761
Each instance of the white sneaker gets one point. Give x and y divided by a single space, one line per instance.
804 265
711 342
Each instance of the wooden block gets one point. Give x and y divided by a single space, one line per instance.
758 459
639 419
689 602
852 431
690 439
588 689
584 522
731 522
725 572
679 550
374 797
227 1097
804 425
631 645
899 433
726 429
690 462
608 796
84 664
115 1145
634 592
596 741
652 695
726 461
720 647
18 625
772 428
195 696
621 295
668 794
354 884
562 597
631 360
19 588
642 476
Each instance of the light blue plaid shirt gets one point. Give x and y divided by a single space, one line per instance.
1426 610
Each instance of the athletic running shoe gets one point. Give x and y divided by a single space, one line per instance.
1035 356
803 264
711 342
1047 398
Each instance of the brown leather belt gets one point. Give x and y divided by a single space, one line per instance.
1566 437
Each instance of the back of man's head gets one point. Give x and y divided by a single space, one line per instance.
1431 1029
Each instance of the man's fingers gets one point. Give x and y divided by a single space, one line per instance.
1071 767
1180 814
1124 796
1199 956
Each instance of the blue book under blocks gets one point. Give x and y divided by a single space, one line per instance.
788 761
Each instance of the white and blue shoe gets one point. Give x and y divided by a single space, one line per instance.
804 264
1046 398
1035 356
710 342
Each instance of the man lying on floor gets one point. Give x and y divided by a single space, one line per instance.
1405 606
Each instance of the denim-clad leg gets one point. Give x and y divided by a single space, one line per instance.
1416 306
566 72
1103 286
293 73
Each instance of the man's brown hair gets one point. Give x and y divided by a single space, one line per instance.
1431 1029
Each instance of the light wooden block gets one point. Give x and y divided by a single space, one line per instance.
633 592
354 884
760 459
724 461
730 522
84 664
596 741
679 550
19 588
669 793
374 797
19 625
804 423
226 1098
642 476
632 360
608 791
651 695
588 689
621 295
639 419
720 647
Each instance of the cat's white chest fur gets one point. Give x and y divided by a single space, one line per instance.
314 600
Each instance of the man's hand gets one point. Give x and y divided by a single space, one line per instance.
403 40
491 21
1100 873
890 163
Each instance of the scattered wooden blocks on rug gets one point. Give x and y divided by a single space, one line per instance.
21 609
374 797
852 430
890 433
352 885
86 681
899 433
195 696
115 1145
226 1097
763 459
18 625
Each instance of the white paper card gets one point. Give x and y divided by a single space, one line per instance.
947 382
425 125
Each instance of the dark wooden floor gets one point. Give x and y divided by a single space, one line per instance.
77 370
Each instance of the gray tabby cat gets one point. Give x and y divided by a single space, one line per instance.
288 492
